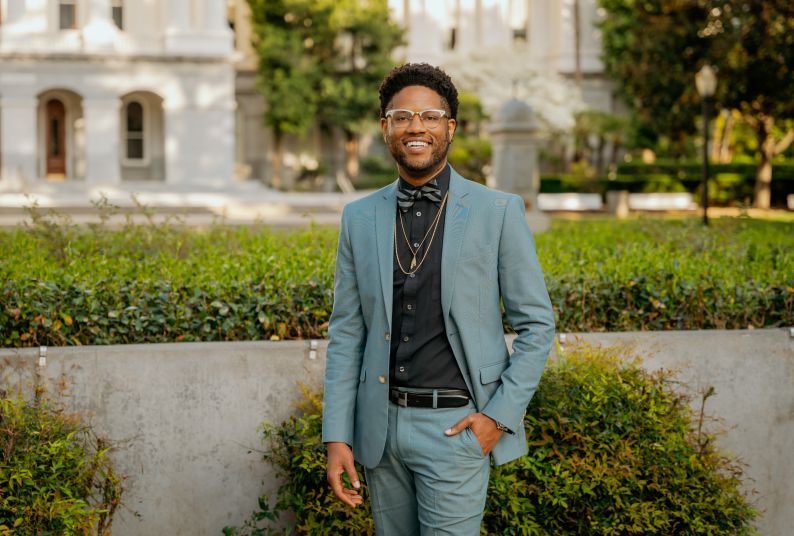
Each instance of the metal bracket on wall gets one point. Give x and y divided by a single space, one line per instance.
313 349
42 356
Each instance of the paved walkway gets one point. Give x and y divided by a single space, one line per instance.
243 203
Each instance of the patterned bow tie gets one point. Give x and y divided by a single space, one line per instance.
407 195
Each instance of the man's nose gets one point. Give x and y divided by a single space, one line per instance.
416 125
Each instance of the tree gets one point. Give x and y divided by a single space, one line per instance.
282 32
756 47
653 48
320 63
364 38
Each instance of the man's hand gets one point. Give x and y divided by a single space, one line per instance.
484 429
340 460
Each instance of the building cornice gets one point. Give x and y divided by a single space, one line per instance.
113 59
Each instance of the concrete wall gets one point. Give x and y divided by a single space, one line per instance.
188 414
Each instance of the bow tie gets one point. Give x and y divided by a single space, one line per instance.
407 195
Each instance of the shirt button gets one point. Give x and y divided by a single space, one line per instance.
406 338
411 275
418 212
416 244
382 379
387 336
402 369
409 306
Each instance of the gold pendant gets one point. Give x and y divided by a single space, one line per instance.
413 263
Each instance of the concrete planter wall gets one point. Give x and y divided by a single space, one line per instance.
188 414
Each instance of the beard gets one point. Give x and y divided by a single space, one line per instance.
413 166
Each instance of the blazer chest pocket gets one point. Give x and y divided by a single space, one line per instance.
491 373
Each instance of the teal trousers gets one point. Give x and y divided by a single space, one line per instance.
428 483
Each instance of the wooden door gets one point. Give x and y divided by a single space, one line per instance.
56 139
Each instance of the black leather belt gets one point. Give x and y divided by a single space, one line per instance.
446 398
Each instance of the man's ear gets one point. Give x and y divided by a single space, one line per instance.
383 126
451 132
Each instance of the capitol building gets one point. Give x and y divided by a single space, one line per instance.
114 92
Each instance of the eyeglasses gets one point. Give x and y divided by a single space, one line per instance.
402 118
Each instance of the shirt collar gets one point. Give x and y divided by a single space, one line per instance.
441 180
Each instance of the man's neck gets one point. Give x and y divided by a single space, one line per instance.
418 182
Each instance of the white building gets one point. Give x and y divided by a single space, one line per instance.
536 35
105 91
131 92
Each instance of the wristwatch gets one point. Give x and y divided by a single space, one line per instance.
501 427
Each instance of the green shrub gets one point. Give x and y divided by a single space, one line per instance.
729 184
145 284
613 450
55 474
298 455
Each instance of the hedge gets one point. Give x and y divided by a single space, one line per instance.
729 184
613 450
62 285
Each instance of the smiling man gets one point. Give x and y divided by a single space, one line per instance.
420 387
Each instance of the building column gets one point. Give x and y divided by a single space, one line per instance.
102 116
25 19
15 11
100 32
545 29
18 141
177 25
215 25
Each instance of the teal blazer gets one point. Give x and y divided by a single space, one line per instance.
488 258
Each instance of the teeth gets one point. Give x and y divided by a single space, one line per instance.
417 144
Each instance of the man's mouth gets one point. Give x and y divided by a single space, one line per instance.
416 145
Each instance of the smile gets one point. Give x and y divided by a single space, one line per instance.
417 144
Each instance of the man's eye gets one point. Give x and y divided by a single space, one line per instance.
402 118
431 116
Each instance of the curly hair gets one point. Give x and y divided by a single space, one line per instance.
419 74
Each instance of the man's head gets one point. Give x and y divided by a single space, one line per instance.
419 106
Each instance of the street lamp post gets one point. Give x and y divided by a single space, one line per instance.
706 83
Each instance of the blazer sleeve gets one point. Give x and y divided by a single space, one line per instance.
346 333
529 313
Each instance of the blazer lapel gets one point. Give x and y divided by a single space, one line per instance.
454 229
385 210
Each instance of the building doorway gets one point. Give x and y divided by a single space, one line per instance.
55 121
60 137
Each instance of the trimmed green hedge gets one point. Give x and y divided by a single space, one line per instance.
613 450
62 285
728 183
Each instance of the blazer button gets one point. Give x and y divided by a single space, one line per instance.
382 379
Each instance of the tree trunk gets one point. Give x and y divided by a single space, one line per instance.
351 155
726 150
278 158
763 177
599 157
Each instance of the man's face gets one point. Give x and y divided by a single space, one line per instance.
420 151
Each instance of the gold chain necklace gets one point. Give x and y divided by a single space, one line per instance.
433 227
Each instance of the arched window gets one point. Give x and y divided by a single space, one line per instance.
134 131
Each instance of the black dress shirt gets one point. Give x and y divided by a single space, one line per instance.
421 356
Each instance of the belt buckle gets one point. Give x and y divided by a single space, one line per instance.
402 399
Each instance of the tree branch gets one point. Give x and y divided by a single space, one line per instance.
783 144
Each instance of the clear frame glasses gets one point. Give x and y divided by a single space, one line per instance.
402 118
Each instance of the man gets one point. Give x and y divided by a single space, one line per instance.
419 381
